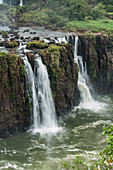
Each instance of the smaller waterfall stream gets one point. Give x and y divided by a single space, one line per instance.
44 116
21 3
1 1
31 88
87 101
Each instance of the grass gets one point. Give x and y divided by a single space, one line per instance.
110 13
91 24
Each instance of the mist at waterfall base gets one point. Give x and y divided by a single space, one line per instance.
84 85
80 131
81 135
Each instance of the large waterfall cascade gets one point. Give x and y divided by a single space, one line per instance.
44 116
87 100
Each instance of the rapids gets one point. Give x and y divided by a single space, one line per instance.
81 134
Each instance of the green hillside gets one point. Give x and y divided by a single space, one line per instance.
60 13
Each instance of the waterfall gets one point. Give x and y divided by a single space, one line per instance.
31 88
87 101
21 3
1 1
46 104
61 39
44 115
10 3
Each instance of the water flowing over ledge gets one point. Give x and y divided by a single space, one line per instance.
44 115
87 100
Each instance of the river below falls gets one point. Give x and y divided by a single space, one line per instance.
80 134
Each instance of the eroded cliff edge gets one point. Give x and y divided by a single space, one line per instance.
97 52
63 74
15 113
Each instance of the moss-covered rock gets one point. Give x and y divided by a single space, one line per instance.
11 44
63 74
36 45
54 52
4 34
97 52
13 108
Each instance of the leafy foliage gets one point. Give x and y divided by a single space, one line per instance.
105 159
107 153
55 13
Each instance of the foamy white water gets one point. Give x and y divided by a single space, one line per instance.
31 84
87 101
61 39
47 114
38 84
21 3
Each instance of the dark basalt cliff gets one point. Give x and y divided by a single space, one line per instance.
14 107
14 116
97 52
63 74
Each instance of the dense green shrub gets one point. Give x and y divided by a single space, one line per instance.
109 8
4 6
55 13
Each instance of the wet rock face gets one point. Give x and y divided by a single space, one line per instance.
97 52
14 116
63 75
13 2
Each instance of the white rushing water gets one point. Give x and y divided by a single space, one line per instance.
1 1
21 3
84 85
87 101
31 84
46 104
44 115
61 39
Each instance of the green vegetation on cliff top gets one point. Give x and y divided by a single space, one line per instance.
73 14
36 44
